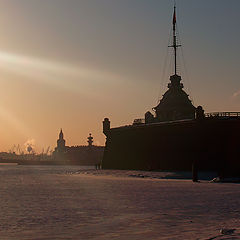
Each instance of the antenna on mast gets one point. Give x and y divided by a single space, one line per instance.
174 44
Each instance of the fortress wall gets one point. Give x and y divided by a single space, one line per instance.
211 143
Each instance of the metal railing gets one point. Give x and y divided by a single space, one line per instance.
223 114
141 121
138 121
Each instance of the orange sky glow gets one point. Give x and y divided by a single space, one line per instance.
69 64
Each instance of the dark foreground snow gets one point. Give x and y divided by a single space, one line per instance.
56 202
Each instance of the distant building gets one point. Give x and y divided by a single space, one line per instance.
80 155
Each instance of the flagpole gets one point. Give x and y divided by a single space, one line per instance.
175 45
175 40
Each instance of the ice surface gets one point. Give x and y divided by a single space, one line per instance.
61 202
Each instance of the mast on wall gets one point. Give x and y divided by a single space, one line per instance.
174 44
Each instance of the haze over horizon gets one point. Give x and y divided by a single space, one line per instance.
70 63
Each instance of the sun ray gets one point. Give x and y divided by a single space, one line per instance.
55 73
14 121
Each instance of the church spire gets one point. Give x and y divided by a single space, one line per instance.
61 142
174 43
61 134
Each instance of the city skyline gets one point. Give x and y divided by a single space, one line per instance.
69 64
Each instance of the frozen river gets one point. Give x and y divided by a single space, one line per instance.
52 202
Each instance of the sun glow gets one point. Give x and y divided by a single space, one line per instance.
74 80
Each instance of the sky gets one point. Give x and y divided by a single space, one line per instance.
70 63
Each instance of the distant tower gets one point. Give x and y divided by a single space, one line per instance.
90 140
61 142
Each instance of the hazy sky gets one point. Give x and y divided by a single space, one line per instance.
70 63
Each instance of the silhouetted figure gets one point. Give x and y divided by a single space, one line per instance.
98 166
149 118
194 171
106 126
221 170
200 113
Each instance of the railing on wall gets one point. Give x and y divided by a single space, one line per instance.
138 121
223 114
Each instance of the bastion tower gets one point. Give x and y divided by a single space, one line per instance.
175 103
